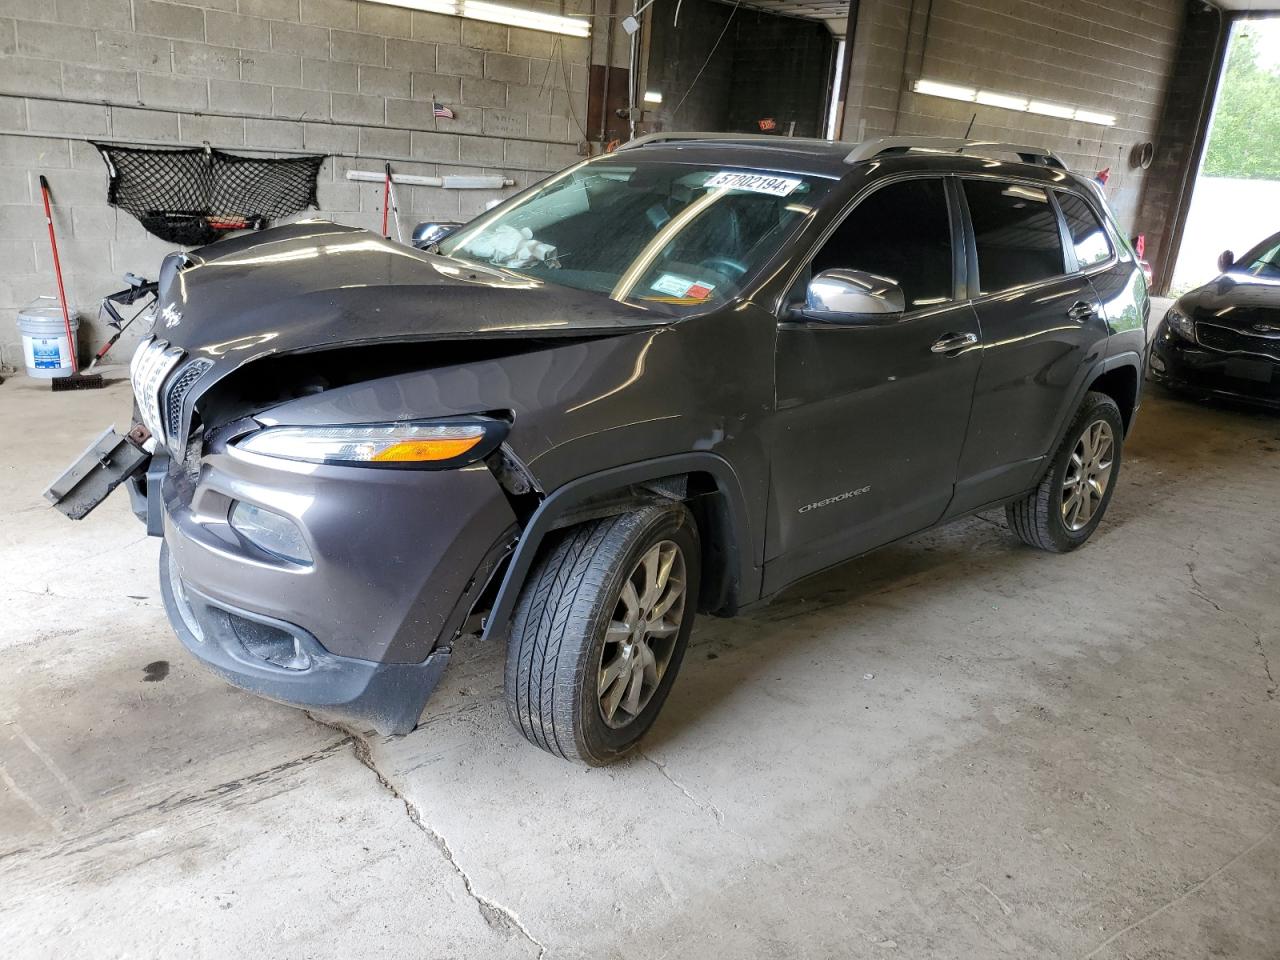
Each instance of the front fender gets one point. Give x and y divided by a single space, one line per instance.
741 561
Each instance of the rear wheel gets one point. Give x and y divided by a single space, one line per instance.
600 630
1067 506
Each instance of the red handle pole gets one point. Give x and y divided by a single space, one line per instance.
57 269
386 201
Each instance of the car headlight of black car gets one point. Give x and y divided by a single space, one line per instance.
1179 323
421 444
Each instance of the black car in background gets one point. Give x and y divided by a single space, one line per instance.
673 379
1223 339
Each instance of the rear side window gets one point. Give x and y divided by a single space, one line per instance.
1087 236
1016 231
903 232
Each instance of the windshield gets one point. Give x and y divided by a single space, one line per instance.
1263 260
669 234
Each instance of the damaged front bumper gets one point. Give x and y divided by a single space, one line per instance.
1247 378
363 630
282 661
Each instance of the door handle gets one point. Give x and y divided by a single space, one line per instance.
1082 311
953 341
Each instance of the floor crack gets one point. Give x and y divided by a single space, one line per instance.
1266 665
495 914
1189 892
706 805
1198 589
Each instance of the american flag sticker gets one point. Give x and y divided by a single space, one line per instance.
440 110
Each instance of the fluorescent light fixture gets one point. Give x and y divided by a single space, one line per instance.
1010 101
1089 116
499 13
949 90
1046 109
652 96
1002 100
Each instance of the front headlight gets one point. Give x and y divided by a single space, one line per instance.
1180 324
433 444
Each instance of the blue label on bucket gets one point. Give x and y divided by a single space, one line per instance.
46 354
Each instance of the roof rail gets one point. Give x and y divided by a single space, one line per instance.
721 137
869 149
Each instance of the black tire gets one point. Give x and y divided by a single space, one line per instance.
1037 518
558 632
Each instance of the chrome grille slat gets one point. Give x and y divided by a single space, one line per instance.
152 363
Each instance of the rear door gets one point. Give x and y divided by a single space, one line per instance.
1042 330
870 416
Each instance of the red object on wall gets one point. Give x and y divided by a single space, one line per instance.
767 124
1140 245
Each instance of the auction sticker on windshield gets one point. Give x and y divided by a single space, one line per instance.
681 287
755 182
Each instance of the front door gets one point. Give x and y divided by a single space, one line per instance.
871 415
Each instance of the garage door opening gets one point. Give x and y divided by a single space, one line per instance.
1236 198
763 67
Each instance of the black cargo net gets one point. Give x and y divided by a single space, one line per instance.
193 196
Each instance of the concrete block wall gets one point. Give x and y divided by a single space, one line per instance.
350 79
1112 58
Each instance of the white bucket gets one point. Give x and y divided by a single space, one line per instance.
44 338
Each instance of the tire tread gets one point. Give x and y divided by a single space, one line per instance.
1030 517
559 603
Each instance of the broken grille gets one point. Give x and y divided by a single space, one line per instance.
176 397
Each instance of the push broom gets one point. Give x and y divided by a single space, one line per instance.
77 380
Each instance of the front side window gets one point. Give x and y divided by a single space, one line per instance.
1087 236
1016 231
665 234
903 232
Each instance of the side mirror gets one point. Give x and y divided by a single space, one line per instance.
432 231
844 296
1226 260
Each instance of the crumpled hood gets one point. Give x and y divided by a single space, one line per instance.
1236 300
314 284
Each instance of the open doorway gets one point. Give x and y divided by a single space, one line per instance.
1236 199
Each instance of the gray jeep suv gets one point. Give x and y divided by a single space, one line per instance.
672 379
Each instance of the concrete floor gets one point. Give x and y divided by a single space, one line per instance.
957 747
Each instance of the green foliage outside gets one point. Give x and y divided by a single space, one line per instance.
1245 138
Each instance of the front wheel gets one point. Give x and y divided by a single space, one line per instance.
1067 506
600 630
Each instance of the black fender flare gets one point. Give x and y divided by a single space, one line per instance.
565 498
1130 358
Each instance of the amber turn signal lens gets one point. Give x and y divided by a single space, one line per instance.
418 451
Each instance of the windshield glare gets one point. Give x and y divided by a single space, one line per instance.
1263 260
667 234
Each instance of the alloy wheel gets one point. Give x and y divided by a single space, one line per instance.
642 633
1088 474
